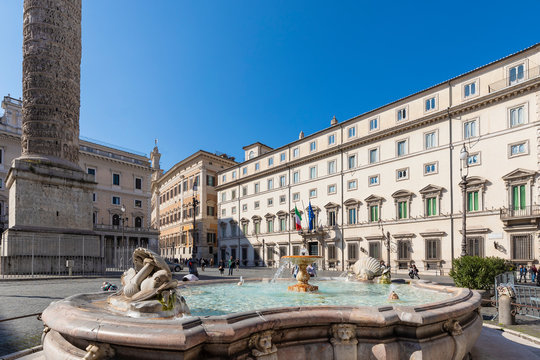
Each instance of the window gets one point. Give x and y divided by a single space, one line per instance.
516 74
473 159
430 104
430 168
116 179
296 196
234 174
270 201
296 250
282 199
373 124
351 132
295 152
332 189
282 157
210 211
116 220
270 226
116 200
94 195
282 181
374 213
244 170
475 246
257 166
373 180
270 161
352 161
402 209
352 185
313 172
233 194
331 252
245 228
223 212
2 160
282 224
244 190
251 154
519 200
430 140
352 216
402 174
375 249
472 201
223 196
245 207
431 206
210 181
469 129
332 218
331 167
373 155
522 247
185 185
270 184
296 177
517 116
401 148
352 251
403 250
402 114
138 203
469 89
313 193
257 226
211 238
518 149
256 188
91 171
432 249
331 139
312 146
233 210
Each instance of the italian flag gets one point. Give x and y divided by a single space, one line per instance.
298 219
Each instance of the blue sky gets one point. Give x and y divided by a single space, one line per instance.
218 75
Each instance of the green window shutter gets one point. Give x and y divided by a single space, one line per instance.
475 200
470 201
522 197
404 209
515 197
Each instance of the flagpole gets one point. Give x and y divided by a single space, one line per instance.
307 217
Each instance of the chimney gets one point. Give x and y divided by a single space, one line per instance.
333 121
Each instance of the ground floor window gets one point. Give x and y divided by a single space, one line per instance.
375 249
282 251
432 249
331 252
296 250
313 248
269 253
352 251
244 253
403 250
475 246
522 247
257 254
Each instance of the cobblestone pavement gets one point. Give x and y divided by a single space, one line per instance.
20 297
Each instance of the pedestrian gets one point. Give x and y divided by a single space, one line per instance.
295 271
203 264
211 262
221 267
533 270
237 263
415 272
231 265
522 273
411 272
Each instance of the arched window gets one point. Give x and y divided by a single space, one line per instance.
251 154
116 220
138 222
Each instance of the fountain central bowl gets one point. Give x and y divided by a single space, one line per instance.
302 275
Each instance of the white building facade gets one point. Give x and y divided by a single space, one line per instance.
395 173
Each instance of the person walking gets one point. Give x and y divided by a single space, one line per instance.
533 270
221 267
415 272
203 264
237 263
231 265
522 273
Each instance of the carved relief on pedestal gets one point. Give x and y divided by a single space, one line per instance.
343 334
452 327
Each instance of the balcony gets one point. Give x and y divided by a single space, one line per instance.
127 229
522 77
530 214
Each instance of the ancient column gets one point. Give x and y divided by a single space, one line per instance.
50 197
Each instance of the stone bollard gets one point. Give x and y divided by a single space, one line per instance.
505 310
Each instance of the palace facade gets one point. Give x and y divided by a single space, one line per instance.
392 179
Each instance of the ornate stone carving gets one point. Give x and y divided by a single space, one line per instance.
51 78
343 334
261 345
452 327
99 352
506 289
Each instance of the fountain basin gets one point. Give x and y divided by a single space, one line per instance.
302 261
445 329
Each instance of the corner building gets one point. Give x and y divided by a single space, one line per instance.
396 170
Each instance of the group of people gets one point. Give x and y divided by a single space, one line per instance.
231 264
531 270
413 271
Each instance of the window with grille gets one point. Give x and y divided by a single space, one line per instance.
352 251
296 250
403 250
475 246
432 249
331 252
282 251
522 247
375 249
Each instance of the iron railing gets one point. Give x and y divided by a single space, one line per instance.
127 229
527 211
527 301
507 81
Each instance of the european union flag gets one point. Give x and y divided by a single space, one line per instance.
311 217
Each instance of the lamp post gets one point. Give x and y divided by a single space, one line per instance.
464 157
193 267
124 255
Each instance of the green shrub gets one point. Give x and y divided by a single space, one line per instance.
476 272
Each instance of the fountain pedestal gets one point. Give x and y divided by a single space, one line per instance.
302 261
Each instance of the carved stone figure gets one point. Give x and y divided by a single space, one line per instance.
367 268
506 289
343 334
149 288
262 347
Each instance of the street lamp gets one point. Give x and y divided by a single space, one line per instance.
464 157
193 268
123 209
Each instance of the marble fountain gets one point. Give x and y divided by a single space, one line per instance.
151 317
